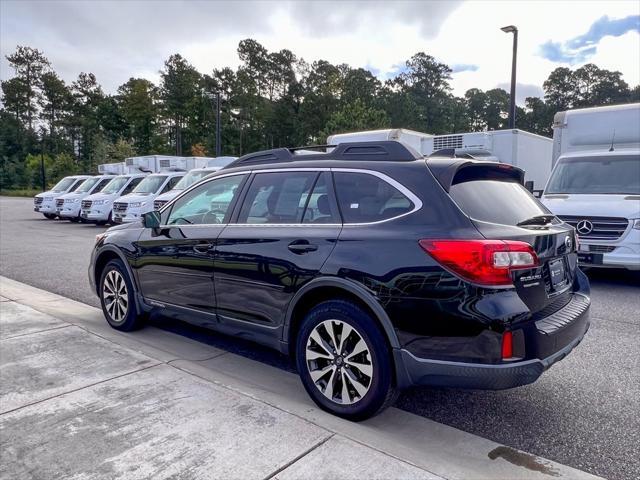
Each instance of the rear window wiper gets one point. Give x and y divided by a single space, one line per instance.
537 220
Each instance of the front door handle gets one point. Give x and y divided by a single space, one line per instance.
302 246
203 247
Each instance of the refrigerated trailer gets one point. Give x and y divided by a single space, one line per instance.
112 168
516 147
159 163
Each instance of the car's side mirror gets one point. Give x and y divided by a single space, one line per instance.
151 219
529 185
538 193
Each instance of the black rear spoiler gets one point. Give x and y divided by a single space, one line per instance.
449 171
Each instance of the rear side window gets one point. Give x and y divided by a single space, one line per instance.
365 198
321 206
277 198
496 201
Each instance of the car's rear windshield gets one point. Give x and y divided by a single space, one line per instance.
150 184
496 201
592 175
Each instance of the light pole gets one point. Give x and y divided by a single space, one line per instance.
512 106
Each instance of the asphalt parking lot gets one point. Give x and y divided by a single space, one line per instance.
582 413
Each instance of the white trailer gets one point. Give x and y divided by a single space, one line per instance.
598 128
112 168
526 150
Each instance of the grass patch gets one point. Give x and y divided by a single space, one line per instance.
23 192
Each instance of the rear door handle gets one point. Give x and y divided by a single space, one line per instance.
203 247
302 246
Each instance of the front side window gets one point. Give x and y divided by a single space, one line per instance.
103 183
206 204
76 185
597 175
150 184
171 184
365 198
278 198
191 178
133 184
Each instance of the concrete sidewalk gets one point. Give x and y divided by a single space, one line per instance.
79 399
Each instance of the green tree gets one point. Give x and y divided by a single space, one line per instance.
138 100
29 64
355 116
180 94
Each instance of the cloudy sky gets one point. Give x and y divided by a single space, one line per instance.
118 39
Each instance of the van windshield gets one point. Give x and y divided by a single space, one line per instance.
150 184
63 184
592 175
115 185
87 185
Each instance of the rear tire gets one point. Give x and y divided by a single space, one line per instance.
117 297
355 382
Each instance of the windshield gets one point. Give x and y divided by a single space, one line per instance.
87 185
115 185
150 184
591 175
63 184
507 203
191 178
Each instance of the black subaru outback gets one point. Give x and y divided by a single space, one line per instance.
374 267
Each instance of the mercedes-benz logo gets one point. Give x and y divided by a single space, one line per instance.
584 227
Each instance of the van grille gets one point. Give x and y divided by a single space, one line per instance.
120 207
158 204
86 204
59 202
447 141
601 248
37 200
602 228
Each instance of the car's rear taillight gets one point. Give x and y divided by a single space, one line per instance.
484 262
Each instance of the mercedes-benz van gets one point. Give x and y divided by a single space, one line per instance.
45 202
98 207
68 205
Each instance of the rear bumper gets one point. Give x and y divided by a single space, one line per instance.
559 333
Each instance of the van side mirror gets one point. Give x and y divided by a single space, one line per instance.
538 193
529 185
151 219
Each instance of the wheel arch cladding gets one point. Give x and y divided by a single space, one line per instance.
318 291
104 257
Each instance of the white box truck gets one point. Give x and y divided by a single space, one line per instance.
595 184
522 149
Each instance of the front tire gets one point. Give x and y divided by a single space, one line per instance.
49 216
344 361
117 297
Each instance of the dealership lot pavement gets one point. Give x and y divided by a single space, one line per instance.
582 412
156 407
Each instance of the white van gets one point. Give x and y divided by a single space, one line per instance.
598 193
595 184
68 205
189 179
99 206
45 202
129 208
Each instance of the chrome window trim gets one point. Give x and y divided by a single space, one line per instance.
417 203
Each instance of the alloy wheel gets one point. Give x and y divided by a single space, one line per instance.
339 362
115 296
